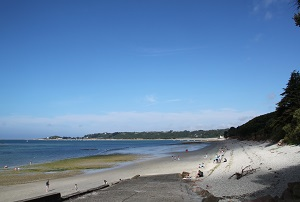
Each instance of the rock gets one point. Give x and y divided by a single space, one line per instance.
136 176
292 184
292 192
281 142
211 198
185 174
287 194
266 198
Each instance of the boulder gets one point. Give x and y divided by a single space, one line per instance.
296 191
211 198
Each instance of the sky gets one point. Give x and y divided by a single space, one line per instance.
77 67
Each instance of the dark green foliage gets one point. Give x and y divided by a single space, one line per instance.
158 135
292 129
253 129
297 15
287 110
54 137
297 19
291 98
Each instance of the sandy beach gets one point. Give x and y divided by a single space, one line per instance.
274 166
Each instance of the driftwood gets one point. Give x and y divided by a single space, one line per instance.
245 171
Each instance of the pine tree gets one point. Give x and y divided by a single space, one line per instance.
287 107
290 101
297 15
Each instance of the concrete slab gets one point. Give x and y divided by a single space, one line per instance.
145 188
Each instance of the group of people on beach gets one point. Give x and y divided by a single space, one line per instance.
48 185
15 168
176 158
218 159
220 155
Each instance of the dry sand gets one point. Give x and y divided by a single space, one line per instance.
275 167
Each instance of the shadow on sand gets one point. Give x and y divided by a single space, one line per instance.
276 181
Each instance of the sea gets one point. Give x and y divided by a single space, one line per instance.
16 153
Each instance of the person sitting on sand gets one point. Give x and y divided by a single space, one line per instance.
217 159
200 173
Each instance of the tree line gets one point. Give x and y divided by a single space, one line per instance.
158 134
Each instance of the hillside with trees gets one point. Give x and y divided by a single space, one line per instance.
158 134
284 123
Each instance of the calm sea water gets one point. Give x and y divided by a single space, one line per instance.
15 153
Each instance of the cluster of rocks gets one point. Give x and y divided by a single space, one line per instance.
292 193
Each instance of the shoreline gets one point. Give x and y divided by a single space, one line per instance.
275 171
85 149
144 166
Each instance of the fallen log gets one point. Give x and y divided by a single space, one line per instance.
245 171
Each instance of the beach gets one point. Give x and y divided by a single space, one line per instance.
273 167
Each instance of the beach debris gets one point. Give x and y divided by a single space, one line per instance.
185 174
245 171
281 142
136 176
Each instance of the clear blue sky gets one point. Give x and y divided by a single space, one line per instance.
75 67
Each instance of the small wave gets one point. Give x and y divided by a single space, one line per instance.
89 149
113 150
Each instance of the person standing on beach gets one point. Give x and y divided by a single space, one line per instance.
47 185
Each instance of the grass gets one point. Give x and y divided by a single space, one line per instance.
60 169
